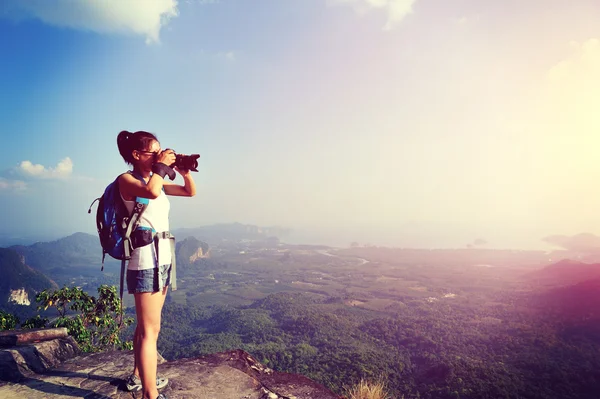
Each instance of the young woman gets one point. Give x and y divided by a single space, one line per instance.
149 269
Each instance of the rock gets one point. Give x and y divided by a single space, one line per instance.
20 362
19 337
227 375
20 297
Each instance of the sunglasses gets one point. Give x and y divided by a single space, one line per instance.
155 153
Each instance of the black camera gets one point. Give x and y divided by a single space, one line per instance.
187 162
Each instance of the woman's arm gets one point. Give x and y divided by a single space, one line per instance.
187 190
131 187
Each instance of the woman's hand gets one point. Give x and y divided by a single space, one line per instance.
167 157
189 186
182 172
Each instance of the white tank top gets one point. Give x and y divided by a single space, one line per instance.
156 216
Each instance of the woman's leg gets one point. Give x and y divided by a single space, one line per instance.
148 307
136 351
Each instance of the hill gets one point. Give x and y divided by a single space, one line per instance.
19 283
79 249
71 260
578 301
566 272
190 251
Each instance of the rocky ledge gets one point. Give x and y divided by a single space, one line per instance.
55 368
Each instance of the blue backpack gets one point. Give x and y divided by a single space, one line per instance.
115 224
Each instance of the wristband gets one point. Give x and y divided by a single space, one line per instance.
163 170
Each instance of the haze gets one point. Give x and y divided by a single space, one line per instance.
393 122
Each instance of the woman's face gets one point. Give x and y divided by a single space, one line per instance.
146 158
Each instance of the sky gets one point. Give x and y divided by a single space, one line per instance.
408 123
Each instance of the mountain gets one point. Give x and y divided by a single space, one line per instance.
188 252
19 283
231 232
61 257
10 239
190 249
77 258
581 300
566 272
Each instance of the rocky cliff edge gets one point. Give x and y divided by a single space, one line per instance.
48 364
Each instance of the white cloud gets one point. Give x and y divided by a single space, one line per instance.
561 125
6 184
143 17
585 59
396 10
62 170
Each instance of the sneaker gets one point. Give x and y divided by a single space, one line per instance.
161 396
134 383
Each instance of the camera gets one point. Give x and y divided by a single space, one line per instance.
187 162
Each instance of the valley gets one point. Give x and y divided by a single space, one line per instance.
440 323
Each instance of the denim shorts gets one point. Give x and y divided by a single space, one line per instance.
148 280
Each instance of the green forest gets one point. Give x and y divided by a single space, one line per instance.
431 324
436 350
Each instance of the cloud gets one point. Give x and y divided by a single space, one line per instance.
568 104
396 10
585 58
6 184
574 83
62 170
142 17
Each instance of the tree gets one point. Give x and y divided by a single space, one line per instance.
97 322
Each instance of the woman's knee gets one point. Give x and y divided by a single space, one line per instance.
148 332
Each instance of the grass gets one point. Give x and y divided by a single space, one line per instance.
368 390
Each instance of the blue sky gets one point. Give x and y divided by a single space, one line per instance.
394 122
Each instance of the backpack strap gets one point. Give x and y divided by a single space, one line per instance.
173 264
165 235
103 251
134 220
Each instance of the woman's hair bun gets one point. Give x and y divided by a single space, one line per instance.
128 141
124 135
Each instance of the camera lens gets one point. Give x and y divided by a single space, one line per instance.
187 162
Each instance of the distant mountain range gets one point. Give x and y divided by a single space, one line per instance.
30 267
25 269
231 231
82 250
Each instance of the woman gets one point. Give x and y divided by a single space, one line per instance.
149 269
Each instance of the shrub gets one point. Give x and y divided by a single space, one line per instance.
7 321
35 322
368 390
99 321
